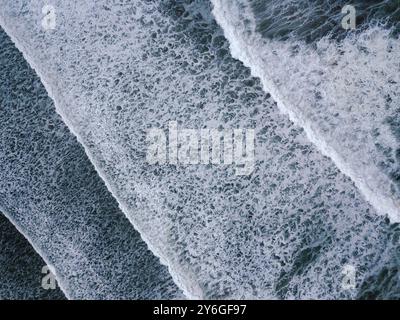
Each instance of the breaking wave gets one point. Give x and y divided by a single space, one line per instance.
341 87
117 68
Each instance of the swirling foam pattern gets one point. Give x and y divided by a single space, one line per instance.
117 68
342 87
53 195
20 267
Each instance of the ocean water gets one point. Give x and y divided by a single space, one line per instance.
20 267
310 21
118 68
50 191
341 86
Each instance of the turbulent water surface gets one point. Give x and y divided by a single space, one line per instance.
53 195
21 267
341 86
118 68
312 20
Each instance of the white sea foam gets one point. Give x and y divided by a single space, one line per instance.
20 267
118 68
51 193
344 94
